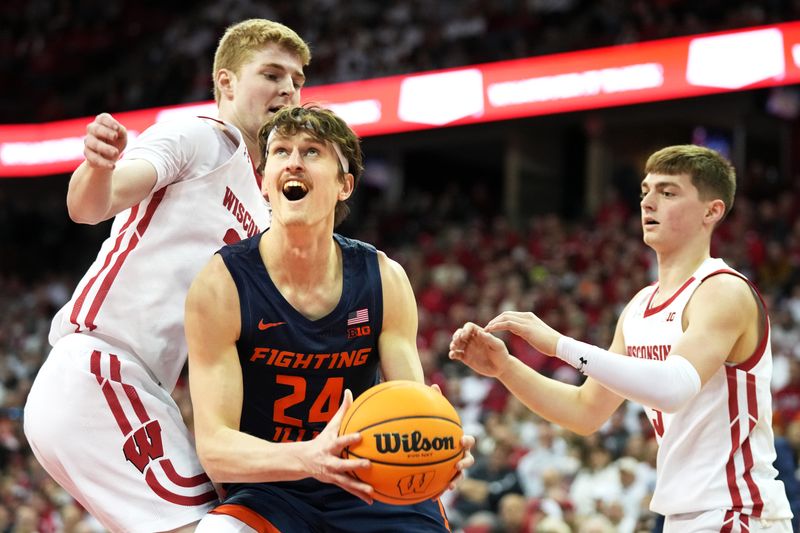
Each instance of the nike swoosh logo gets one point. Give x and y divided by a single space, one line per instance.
266 325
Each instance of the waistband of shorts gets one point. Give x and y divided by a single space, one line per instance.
92 341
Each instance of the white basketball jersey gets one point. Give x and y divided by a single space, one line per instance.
133 294
717 451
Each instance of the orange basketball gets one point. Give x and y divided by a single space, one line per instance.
412 436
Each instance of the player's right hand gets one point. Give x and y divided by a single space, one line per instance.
105 140
480 350
324 461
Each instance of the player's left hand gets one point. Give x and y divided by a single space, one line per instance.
527 326
467 442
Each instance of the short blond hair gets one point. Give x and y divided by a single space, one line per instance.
243 38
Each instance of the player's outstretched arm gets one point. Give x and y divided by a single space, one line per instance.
215 379
101 186
580 409
629 377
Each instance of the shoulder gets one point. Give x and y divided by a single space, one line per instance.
391 270
188 134
213 285
725 293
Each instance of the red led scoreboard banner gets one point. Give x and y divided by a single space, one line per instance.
603 77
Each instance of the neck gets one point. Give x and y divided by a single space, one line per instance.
675 268
298 257
252 148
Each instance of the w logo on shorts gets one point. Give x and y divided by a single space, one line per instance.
415 482
144 445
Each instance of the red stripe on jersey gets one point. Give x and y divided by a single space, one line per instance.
649 312
136 403
177 499
76 309
182 481
733 411
752 410
116 408
141 227
113 363
94 365
727 523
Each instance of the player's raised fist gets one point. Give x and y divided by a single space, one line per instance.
105 140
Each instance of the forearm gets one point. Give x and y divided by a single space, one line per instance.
89 194
664 385
230 456
557 402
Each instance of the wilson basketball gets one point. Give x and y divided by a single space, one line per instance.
412 436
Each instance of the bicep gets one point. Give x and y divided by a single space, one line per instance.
212 328
397 343
132 181
718 314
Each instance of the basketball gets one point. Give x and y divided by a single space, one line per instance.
412 436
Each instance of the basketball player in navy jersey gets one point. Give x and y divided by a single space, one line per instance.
283 329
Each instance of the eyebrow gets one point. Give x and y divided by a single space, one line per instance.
660 184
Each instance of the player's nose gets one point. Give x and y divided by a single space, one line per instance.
295 160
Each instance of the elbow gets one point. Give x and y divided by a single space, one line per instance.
673 404
80 216
211 462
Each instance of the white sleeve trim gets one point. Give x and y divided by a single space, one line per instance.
664 385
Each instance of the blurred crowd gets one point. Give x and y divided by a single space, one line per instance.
530 476
75 58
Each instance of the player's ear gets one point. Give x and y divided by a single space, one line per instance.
348 184
225 81
715 210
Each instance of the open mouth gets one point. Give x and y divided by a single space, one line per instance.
275 109
294 190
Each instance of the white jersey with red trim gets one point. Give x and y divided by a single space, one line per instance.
206 195
717 451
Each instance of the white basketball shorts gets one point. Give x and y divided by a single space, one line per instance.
114 439
722 521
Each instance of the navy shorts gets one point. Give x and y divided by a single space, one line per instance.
309 505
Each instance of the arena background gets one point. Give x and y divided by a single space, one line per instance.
535 213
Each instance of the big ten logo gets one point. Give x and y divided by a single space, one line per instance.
144 445
415 483
352 333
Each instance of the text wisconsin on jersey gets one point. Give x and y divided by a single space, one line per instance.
238 210
287 359
658 352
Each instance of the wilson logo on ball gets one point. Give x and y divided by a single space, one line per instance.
414 442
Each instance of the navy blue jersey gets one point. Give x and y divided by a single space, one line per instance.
295 370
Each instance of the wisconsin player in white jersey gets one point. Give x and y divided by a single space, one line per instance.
693 348
99 417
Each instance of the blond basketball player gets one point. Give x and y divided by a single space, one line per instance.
99 417
693 349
